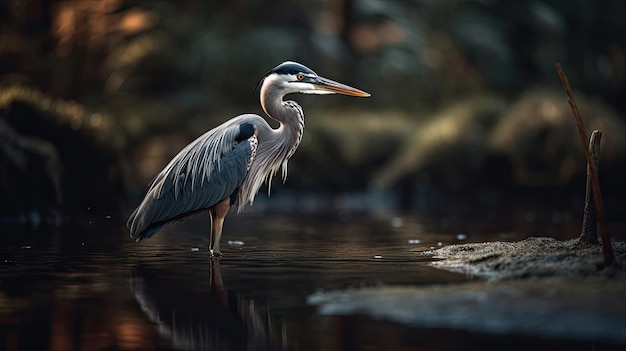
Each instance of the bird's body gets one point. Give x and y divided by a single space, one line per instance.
227 165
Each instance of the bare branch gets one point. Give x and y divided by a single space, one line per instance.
607 249
589 232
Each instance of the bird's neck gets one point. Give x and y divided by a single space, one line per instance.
276 146
295 127
291 118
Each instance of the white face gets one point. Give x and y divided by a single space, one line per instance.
306 82
296 83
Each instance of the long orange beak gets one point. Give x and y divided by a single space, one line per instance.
336 87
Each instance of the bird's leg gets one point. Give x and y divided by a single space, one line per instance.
217 213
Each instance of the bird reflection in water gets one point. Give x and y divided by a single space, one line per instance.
200 319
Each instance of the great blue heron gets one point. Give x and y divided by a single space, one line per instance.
227 165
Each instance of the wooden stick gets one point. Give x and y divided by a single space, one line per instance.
607 248
589 232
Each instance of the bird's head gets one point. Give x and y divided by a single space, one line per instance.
292 77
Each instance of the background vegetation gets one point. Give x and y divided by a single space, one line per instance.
96 96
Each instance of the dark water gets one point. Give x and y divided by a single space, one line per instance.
89 287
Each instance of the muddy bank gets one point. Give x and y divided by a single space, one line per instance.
539 286
535 257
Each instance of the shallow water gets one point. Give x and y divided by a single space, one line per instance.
89 287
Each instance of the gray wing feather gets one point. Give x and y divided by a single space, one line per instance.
205 172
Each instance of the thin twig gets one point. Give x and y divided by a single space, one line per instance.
589 232
607 248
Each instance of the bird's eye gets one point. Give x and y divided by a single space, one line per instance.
300 76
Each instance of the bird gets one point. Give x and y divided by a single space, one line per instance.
225 167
